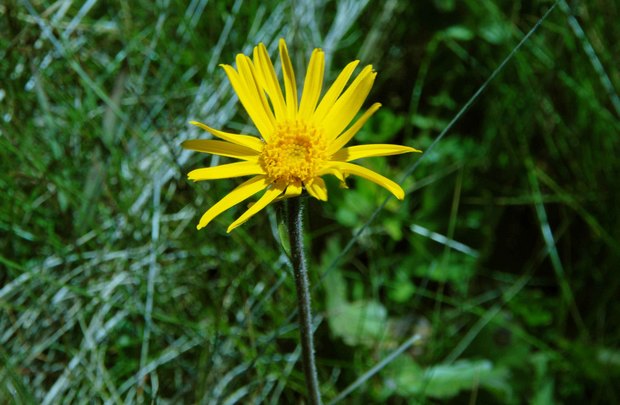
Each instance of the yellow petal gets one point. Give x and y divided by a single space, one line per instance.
226 171
270 195
260 79
260 105
316 188
333 171
348 104
242 192
353 130
334 92
293 190
350 168
372 150
289 81
221 148
313 84
268 78
251 142
249 99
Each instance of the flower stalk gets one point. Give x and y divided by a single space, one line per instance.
295 230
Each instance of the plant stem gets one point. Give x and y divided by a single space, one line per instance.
295 231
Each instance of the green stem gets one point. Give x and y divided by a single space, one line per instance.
295 231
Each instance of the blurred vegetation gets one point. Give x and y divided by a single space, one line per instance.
495 277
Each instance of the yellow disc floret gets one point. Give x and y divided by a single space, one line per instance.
295 152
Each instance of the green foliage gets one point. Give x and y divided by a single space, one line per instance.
406 378
356 323
502 259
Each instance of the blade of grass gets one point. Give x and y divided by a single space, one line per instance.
592 57
545 228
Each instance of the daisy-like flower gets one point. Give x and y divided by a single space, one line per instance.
301 140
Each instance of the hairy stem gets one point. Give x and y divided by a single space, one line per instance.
295 230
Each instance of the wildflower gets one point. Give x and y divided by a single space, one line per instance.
301 140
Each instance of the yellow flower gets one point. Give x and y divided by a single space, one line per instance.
300 141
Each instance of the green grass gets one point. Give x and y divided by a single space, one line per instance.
493 282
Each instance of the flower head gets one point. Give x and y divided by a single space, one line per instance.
301 140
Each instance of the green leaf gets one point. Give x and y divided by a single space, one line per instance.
457 269
358 323
444 381
285 243
495 33
459 33
403 288
447 380
429 123
543 383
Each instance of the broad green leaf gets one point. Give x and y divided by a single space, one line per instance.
459 32
446 380
361 322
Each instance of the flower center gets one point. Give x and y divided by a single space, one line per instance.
294 153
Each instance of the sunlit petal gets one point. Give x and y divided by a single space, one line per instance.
294 189
347 135
270 195
290 85
372 150
334 92
350 168
248 141
331 170
348 104
260 105
269 80
313 84
242 192
221 148
316 188
226 171
249 99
